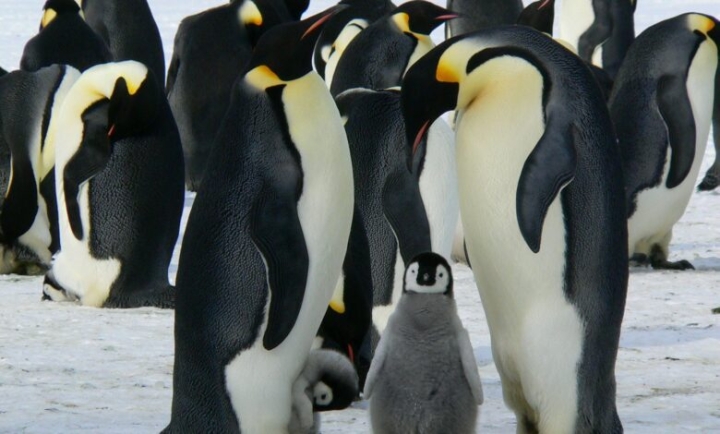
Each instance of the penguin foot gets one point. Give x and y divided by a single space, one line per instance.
662 264
709 182
54 292
639 260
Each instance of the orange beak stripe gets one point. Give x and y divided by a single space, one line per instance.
420 135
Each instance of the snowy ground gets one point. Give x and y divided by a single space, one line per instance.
65 368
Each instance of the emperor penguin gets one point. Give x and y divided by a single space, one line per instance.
264 244
387 193
342 28
475 15
378 57
424 378
118 180
28 211
327 382
64 38
662 104
211 48
542 204
129 30
600 30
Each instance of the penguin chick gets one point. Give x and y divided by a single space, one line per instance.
424 378
328 382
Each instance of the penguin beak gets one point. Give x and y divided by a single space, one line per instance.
322 18
544 4
447 17
425 96
426 279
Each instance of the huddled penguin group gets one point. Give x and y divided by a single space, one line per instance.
330 188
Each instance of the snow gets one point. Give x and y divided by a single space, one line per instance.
67 368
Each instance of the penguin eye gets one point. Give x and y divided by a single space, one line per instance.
440 275
413 271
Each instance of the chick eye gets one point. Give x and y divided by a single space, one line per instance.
440 275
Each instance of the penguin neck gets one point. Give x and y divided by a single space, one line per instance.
427 313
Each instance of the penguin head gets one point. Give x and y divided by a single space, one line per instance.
257 16
284 53
134 106
428 273
429 90
53 8
420 18
128 92
539 15
337 385
459 70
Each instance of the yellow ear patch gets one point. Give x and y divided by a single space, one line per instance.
250 14
402 20
337 306
47 17
262 77
700 22
446 73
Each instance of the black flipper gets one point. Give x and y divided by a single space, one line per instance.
90 158
276 231
676 111
548 168
21 205
404 209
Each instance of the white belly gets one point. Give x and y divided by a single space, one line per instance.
659 208
536 334
82 276
575 18
438 187
259 382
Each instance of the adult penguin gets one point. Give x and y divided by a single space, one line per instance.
378 57
600 30
28 211
118 180
476 15
211 48
387 192
64 38
661 105
541 197
264 243
540 15
129 30
342 28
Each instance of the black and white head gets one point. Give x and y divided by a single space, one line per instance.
420 18
428 273
337 385
53 8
